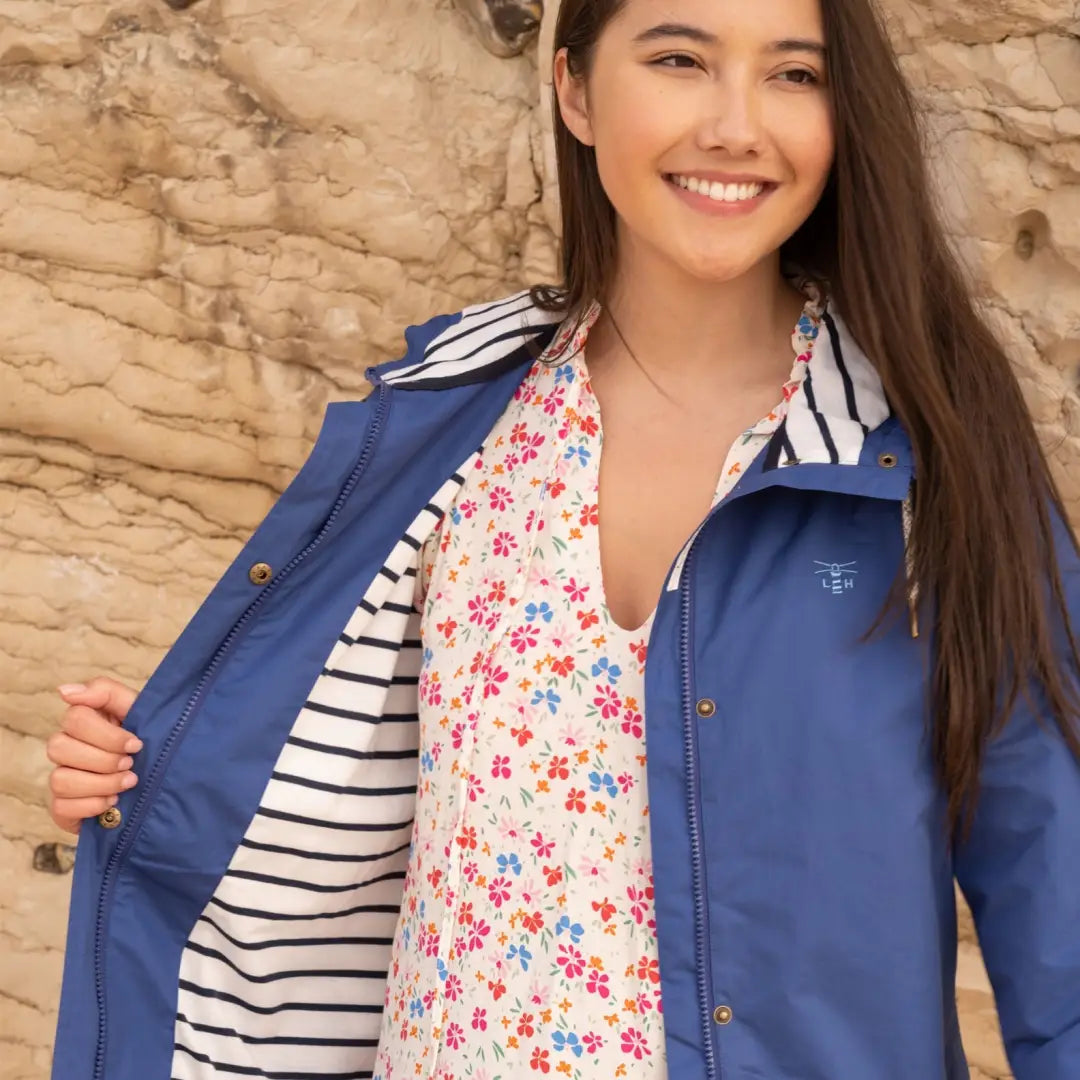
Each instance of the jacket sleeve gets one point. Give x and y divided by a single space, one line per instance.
1020 872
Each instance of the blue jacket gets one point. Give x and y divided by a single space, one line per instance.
237 920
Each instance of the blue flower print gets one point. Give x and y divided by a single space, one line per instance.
520 953
567 1041
416 1007
565 372
605 665
427 762
582 453
575 930
549 698
544 611
440 969
596 782
509 862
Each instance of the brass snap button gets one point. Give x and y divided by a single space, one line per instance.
706 707
111 818
887 461
722 1014
260 573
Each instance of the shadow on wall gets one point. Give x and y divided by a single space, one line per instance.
505 27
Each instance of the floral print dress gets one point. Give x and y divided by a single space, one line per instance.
526 943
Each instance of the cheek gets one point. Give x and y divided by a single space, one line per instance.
808 143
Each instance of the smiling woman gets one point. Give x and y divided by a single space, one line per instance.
621 685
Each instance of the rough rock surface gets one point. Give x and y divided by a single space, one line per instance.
213 217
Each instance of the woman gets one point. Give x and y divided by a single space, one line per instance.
734 859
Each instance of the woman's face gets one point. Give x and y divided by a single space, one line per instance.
712 126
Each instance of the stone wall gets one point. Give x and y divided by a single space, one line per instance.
214 215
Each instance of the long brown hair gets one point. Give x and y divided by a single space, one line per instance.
985 499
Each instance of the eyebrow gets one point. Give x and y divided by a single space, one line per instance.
662 31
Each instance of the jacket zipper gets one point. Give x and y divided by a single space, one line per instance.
153 780
701 915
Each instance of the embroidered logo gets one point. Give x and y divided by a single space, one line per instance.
836 577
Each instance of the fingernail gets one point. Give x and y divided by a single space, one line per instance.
71 688
129 781
133 746
124 764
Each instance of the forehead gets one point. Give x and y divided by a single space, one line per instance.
724 19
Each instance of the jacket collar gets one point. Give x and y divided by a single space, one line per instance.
830 418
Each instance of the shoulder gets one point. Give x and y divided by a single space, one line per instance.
470 345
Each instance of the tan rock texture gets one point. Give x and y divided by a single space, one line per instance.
212 219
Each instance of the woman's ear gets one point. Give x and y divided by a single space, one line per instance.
573 100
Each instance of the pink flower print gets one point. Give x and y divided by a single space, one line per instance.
500 498
498 891
644 1003
555 400
478 610
626 782
597 983
531 446
479 1019
455 1036
457 735
477 932
529 893
523 637
539 993
639 902
592 1041
508 828
467 507
632 723
633 1042
468 872
500 767
492 680
575 592
504 543
476 787
511 462
452 988
608 701
518 434
542 847
572 735
571 961
530 520
592 868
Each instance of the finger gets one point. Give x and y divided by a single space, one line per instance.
62 749
91 727
107 695
68 813
77 784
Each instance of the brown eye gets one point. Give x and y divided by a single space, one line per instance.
805 77
663 60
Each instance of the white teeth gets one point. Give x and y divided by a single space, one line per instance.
718 191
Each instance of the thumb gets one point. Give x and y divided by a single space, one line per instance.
106 695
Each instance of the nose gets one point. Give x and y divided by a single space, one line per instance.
733 120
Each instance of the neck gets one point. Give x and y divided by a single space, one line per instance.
693 334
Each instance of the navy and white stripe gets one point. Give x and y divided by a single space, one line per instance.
285 972
478 345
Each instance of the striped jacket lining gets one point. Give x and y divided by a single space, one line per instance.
284 975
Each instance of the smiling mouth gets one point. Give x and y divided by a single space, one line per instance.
720 192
